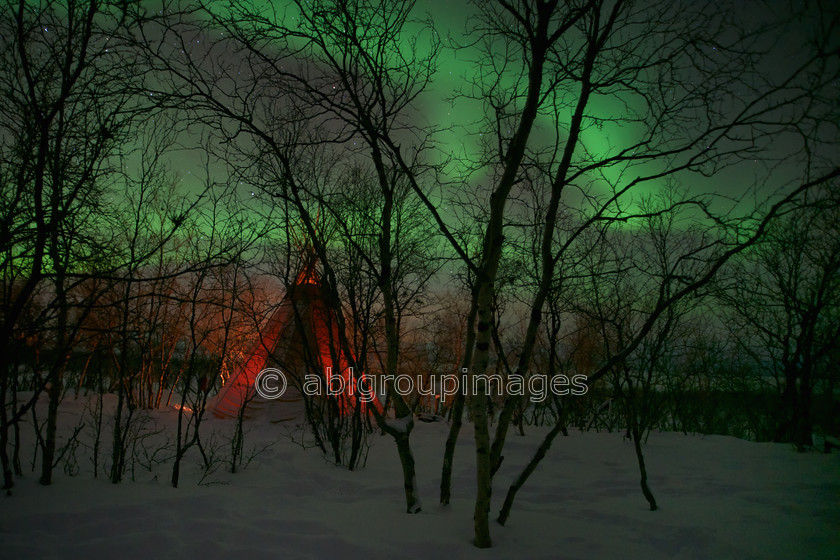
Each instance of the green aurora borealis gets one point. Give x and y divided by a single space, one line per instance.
463 125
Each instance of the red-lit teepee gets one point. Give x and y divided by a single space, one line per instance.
300 337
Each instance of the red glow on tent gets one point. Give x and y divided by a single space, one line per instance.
308 276
317 346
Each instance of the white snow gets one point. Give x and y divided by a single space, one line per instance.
719 498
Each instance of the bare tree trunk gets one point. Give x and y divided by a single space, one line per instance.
118 445
457 410
457 419
412 498
56 375
8 479
637 444
635 429
48 451
179 447
99 413
529 469
478 409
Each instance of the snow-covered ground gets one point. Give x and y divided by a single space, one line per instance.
719 498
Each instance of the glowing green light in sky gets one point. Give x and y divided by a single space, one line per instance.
461 138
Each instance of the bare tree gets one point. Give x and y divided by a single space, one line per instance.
581 61
336 76
627 273
782 301
68 105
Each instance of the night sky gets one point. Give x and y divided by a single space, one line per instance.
463 131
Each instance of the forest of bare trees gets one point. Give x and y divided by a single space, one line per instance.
641 193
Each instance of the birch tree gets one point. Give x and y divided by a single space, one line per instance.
687 83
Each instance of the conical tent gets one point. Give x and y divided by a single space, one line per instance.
300 337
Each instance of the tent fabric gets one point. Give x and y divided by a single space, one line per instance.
300 334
